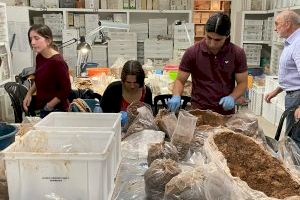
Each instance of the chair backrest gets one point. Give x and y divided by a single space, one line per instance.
164 100
17 93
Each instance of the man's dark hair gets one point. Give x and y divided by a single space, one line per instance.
218 23
133 67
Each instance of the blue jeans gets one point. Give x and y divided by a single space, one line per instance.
291 100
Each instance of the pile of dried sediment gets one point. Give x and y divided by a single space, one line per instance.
247 160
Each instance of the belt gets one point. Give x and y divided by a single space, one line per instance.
292 91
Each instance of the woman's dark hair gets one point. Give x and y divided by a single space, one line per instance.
218 23
44 31
133 67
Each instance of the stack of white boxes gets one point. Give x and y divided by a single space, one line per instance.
273 111
253 54
140 52
253 30
114 4
94 4
158 27
181 42
277 50
179 4
181 37
158 50
91 22
44 3
141 31
55 23
99 55
256 96
70 52
122 44
268 29
6 110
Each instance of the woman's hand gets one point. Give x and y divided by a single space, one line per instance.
26 102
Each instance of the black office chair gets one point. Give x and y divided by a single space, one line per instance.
164 100
17 93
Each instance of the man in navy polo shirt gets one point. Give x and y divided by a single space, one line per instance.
287 25
218 69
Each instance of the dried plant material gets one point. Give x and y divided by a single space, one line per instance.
143 120
166 121
158 175
200 135
82 84
247 159
3 190
182 145
186 186
183 133
162 150
208 117
132 110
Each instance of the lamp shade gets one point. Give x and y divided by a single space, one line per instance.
83 46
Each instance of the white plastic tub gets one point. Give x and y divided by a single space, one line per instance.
72 121
61 164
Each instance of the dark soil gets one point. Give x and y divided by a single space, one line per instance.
247 160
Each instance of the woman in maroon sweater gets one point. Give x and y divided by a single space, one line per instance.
52 83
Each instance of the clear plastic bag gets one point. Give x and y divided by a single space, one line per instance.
188 185
166 121
158 175
136 145
183 133
130 183
262 163
244 123
139 120
162 150
289 153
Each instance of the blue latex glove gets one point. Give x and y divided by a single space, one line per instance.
124 118
227 102
174 103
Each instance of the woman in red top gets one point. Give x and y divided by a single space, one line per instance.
52 83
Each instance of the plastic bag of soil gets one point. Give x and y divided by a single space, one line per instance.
188 185
158 175
162 150
255 171
200 135
208 117
183 133
166 121
140 117
219 186
289 153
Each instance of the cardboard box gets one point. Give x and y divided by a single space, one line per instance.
202 5
204 17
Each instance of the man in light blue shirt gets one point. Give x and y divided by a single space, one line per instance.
287 25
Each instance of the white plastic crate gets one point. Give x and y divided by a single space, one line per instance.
72 121
256 95
61 164
269 110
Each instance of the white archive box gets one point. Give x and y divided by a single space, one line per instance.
70 121
61 165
